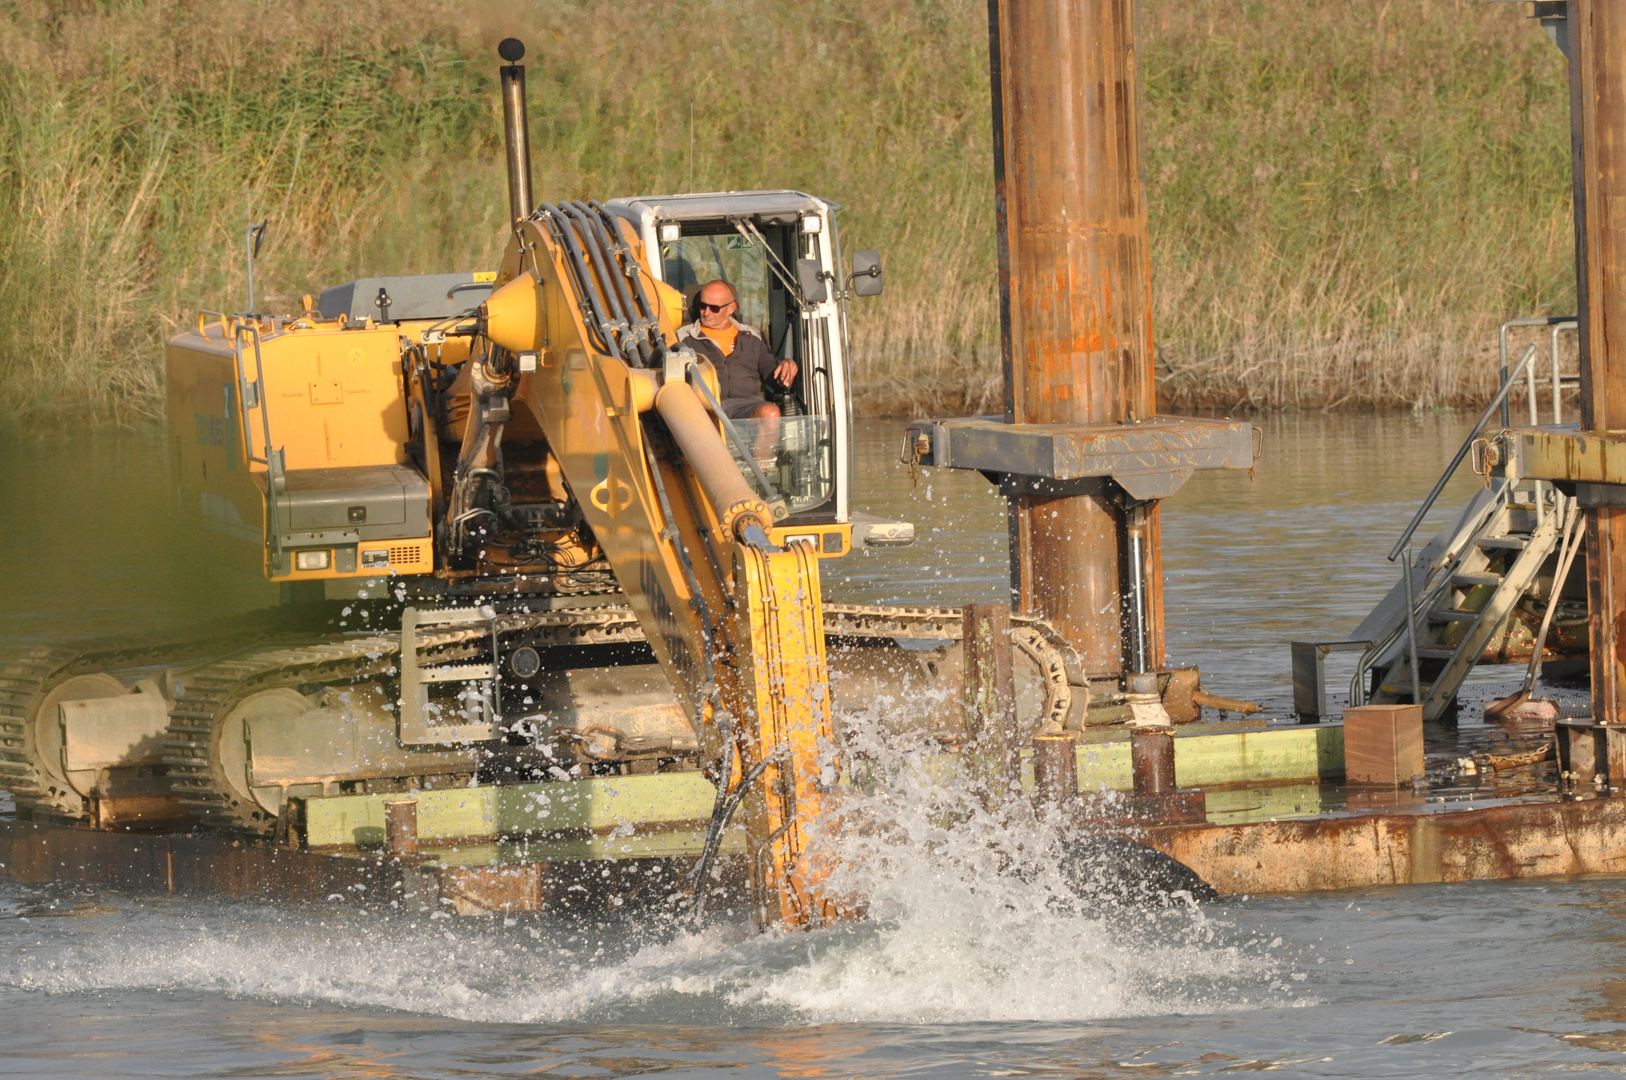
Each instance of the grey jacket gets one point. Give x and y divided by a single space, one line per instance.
742 373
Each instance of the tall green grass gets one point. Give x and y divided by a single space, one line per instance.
1346 197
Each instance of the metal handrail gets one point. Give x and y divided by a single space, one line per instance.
225 321
251 395
1501 346
1508 379
1557 377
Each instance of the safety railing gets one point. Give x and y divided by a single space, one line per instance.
1498 402
1436 583
251 395
1433 590
1556 380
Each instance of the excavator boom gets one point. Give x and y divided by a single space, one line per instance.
633 419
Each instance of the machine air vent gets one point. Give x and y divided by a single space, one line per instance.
405 554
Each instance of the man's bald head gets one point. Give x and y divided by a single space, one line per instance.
718 303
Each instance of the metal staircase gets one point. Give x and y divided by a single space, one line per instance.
1457 594
1463 587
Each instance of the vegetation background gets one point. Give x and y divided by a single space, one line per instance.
1347 195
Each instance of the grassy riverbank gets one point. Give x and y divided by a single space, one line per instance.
1347 197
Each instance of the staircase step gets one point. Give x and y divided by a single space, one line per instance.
1469 580
1452 615
1503 543
1435 654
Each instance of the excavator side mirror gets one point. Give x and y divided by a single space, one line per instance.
810 279
866 278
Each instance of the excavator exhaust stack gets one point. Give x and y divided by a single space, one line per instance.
516 129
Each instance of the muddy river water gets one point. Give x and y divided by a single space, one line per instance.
955 973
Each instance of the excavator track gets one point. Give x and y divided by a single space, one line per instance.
205 695
205 698
24 682
27 680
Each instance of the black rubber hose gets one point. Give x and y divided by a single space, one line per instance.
566 237
592 278
617 274
650 325
719 823
597 256
554 220
616 278
634 273
714 830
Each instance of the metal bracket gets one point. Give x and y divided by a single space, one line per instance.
1594 461
1150 460
418 726
1310 674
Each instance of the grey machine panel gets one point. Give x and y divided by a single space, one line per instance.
420 296
344 506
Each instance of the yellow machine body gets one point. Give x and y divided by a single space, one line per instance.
334 399
510 450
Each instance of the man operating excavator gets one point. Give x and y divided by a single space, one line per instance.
743 360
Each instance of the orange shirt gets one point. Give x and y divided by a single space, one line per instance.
724 338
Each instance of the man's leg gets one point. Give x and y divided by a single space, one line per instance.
764 417
767 416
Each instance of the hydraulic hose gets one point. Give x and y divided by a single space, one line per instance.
645 309
620 295
586 288
721 813
609 303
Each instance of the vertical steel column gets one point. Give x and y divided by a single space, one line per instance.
1075 297
1597 38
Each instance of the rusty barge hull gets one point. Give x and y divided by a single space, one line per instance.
200 866
1521 840
1550 839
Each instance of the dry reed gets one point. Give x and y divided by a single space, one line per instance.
1346 197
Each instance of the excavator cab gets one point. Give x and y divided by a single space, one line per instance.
779 251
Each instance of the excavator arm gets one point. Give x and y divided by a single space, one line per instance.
581 335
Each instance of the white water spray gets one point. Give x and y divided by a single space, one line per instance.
969 918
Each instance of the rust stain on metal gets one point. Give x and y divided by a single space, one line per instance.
1598 124
1151 753
210 866
1554 839
481 890
1399 847
1075 289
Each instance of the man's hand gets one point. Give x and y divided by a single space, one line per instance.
785 372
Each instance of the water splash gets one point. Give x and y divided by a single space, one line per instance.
969 918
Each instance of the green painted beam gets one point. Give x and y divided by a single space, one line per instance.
1260 756
660 801
664 814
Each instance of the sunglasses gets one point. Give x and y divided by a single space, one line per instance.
715 307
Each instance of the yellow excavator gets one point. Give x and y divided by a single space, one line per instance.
542 549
